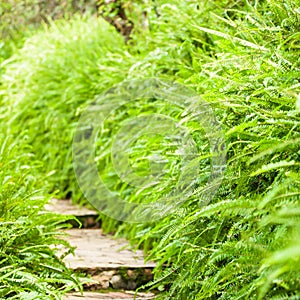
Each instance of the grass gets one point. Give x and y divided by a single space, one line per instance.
242 57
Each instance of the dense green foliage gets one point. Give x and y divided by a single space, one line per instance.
240 56
55 74
245 59
19 19
29 267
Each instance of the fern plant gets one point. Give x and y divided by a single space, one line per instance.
48 83
243 245
29 265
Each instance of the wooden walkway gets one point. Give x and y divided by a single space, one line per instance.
109 295
114 270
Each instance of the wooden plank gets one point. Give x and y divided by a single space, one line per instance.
65 207
109 296
109 261
95 250
87 217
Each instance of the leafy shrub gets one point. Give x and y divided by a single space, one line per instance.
29 267
50 80
19 15
20 19
238 56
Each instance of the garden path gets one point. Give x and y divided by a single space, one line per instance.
113 270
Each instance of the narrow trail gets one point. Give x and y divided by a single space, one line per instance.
115 271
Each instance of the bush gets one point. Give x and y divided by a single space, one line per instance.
29 267
51 79
243 58
20 19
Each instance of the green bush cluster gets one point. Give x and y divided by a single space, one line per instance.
29 266
49 82
20 18
243 58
